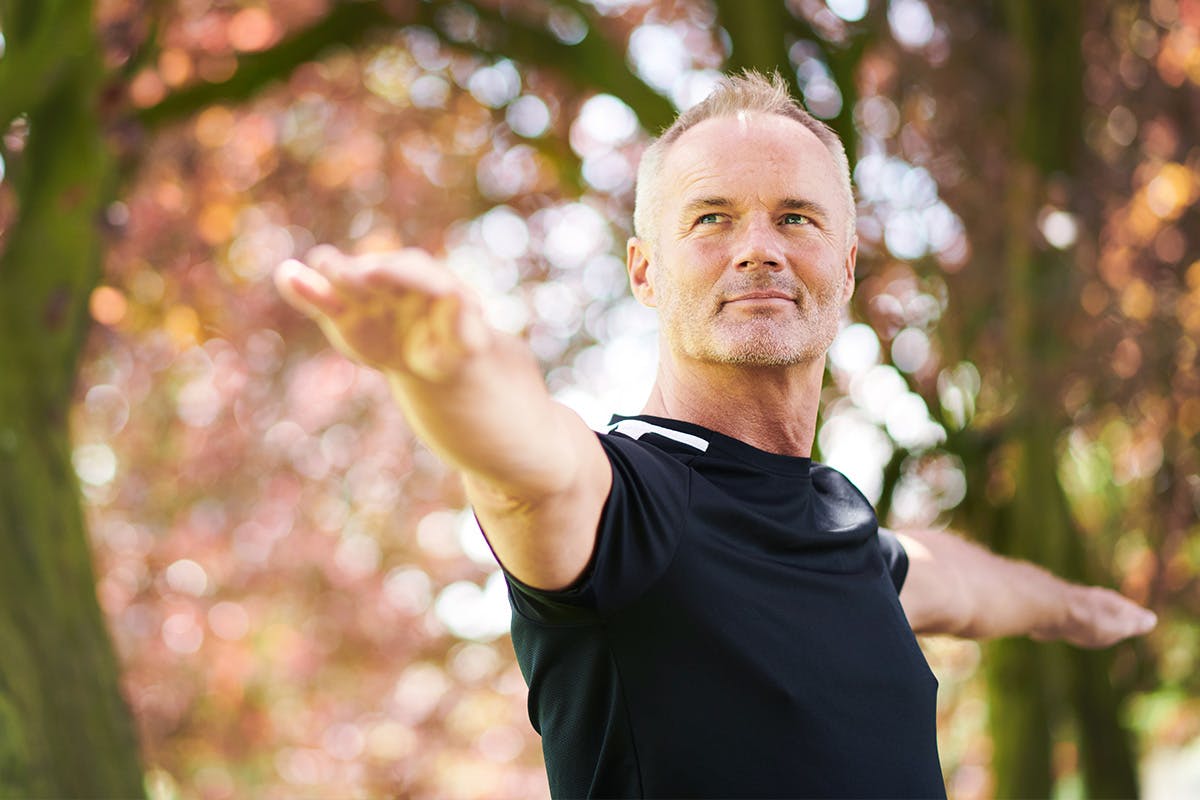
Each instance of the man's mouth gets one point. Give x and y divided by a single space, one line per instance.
762 296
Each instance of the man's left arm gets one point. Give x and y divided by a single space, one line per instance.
959 588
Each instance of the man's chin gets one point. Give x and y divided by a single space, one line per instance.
763 354
770 350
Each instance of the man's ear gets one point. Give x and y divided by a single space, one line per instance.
637 262
851 261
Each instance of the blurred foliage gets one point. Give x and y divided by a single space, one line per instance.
300 600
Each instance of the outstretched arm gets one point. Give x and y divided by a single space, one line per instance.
956 587
535 473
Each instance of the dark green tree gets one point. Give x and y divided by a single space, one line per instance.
64 730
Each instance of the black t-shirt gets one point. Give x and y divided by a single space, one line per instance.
738 633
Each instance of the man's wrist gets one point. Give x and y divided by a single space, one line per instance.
1056 607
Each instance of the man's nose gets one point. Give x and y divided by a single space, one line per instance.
759 246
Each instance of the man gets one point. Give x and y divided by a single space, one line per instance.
699 610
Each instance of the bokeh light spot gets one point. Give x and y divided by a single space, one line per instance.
607 120
528 116
854 446
408 590
504 232
146 89
471 612
849 10
187 577
357 555
418 691
229 621
252 29
391 741
175 66
213 126
107 305
437 534
473 542
95 464
855 349
659 55
181 634
911 23
1059 228
429 91
496 85
910 349
107 408
343 741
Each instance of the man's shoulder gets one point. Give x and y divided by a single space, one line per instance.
649 454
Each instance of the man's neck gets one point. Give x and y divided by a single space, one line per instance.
771 408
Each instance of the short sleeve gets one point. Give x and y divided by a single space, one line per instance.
639 530
894 557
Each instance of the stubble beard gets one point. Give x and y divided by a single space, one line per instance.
715 335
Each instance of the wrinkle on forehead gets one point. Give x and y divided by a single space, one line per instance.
707 171
767 157
759 127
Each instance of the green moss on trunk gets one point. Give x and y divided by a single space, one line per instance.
64 728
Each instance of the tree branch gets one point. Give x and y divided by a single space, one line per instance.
593 63
346 24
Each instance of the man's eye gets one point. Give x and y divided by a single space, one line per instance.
795 219
708 219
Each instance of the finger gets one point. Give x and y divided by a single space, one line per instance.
443 320
1116 617
348 275
1117 606
397 273
457 319
324 258
425 351
1137 620
473 331
307 290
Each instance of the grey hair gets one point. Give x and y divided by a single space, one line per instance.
749 91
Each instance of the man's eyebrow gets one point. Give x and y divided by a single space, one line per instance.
702 203
807 206
789 203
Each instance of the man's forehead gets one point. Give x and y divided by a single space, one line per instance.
777 154
744 140
718 131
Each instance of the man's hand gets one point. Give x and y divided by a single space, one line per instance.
1097 617
956 587
398 312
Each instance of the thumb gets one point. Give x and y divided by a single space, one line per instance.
307 290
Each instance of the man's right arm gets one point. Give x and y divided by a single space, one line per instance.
535 473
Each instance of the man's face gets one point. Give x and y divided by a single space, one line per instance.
750 264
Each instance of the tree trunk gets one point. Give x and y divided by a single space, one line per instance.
1028 699
64 728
